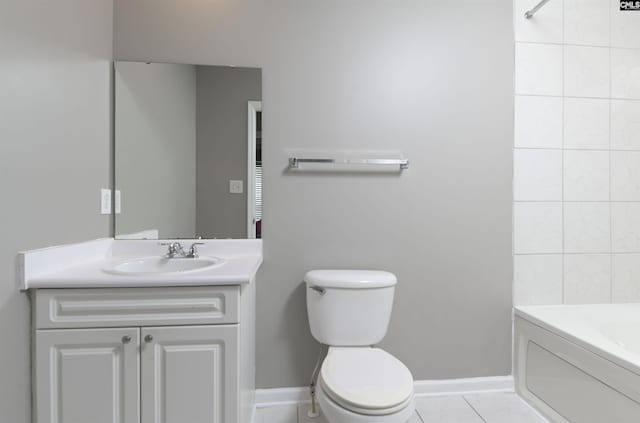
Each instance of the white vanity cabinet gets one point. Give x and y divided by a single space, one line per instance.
87 375
189 374
144 355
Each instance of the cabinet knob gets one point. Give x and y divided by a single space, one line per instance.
126 339
148 338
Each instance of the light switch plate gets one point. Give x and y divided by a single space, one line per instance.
235 187
105 201
118 202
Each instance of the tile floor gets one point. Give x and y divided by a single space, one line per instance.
503 407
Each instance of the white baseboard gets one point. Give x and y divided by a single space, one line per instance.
281 396
423 388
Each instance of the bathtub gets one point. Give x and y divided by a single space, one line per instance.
579 364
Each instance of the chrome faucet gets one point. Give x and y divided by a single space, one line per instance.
193 251
175 250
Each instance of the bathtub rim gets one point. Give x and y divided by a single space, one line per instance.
601 370
531 314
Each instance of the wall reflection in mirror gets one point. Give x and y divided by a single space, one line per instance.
188 151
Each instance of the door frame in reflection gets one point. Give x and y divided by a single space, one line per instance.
253 108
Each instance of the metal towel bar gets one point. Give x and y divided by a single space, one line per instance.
294 162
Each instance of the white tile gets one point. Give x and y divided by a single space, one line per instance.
537 228
538 122
446 409
537 175
586 175
587 278
625 124
277 414
625 27
586 123
303 416
586 228
538 69
625 77
544 27
537 279
586 22
625 227
625 278
586 71
503 408
625 175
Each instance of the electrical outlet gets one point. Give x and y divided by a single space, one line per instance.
235 187
118 202
105 201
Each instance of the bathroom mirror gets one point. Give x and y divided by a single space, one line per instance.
188 151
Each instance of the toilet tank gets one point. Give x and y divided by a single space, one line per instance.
349 308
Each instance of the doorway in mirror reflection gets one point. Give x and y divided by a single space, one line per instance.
188 151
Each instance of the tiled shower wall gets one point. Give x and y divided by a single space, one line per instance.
577 153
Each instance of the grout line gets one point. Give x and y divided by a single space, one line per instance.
577 97
576 201
562 141
579 149
473 408
610 46
419 416
513 174
610 156
568 253
613 253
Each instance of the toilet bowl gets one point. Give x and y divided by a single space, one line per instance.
349 310
365 385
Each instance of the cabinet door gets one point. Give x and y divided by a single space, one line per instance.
87 375
190 374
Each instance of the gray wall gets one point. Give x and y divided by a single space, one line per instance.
432 79
156 148
221 152
55 79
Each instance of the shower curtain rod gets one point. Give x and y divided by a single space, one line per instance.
529 13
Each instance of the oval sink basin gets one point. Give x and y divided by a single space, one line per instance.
162 265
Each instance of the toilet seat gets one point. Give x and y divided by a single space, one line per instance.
366 381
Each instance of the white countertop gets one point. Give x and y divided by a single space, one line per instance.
82 265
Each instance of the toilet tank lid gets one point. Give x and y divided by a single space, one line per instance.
350 279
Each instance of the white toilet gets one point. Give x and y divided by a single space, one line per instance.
349 310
